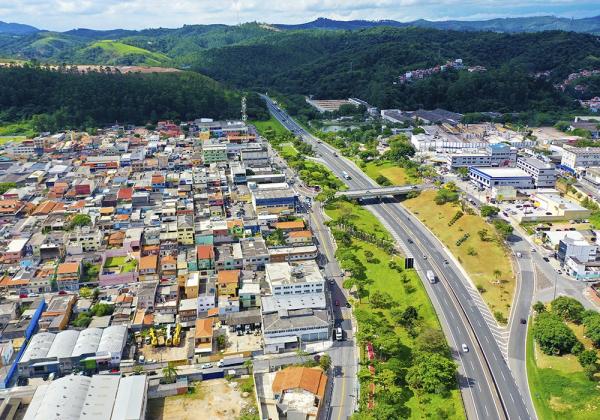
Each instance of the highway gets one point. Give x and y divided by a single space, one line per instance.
488 387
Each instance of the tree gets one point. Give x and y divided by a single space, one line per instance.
503 228
591 322
85 292
102 309
497 274
431 373
170 373
5 186
539 307
483 235
80 220
489 211
383 181
82 320
432 341
552 335
568 309
463 172
444 196
381 300
221 342
325 362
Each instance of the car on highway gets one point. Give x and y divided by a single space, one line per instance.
424 256
410 241
335 154
465 348
207 366
523 321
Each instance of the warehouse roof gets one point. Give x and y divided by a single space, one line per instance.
113 339
38 347
87 342
63 344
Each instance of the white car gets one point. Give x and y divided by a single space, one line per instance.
207 366
465 349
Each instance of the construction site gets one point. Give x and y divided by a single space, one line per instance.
166 344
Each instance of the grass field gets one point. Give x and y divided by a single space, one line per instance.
122 263
116 50
396 174
489 255
15 131
362 218
560 391
385 279
272 123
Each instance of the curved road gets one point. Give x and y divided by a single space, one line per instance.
488 387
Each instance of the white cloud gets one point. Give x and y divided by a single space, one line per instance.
137 14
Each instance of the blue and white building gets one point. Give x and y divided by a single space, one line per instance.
501 177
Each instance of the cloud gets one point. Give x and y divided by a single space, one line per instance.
138 14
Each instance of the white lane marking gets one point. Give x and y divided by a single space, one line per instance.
487 413
502 373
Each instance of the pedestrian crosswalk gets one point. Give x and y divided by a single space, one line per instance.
500 333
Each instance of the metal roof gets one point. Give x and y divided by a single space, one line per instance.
131 398
87 342
63 344
113 339
38 347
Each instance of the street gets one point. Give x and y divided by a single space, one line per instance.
489 389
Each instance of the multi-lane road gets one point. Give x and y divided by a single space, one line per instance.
487 384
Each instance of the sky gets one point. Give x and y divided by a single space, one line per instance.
63 15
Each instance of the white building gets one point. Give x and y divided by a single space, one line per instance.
286 279
543 173
494 177
577 158
578 248
466 160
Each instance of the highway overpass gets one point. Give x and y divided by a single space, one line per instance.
378 192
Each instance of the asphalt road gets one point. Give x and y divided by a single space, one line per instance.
489 389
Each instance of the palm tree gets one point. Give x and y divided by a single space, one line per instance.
497 273
170 372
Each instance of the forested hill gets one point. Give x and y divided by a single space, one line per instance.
511 25
366 63
57 99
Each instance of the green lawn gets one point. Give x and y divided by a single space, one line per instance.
561 392
271 123
386 279
489 255
288 151
122 263
363 219
396 174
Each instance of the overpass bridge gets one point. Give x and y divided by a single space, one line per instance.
378 191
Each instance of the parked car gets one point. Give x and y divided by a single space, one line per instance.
207 365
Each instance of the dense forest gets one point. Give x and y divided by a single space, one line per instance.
61 98
340 63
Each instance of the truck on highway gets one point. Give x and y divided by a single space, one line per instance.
430 276
231 361
345 175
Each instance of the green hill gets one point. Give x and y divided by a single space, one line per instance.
109 52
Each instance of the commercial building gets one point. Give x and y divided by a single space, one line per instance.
287 279
214 153
101 397
92 349
299 392
575 159
280 201
576 248
543 173
494 177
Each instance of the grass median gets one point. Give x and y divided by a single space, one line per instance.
384 276
485 260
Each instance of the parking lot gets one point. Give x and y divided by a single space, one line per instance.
245 342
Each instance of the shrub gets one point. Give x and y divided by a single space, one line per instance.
455 218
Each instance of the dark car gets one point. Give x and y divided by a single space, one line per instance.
523 321
348 305
546 259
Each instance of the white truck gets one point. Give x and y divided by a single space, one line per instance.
345 175
431 276
231 361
